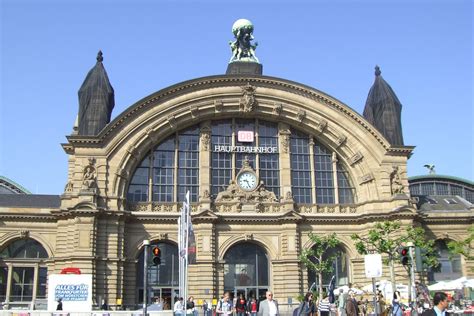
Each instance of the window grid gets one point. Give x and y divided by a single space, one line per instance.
269 163
323 169
345 190
221 163
188 165
300 168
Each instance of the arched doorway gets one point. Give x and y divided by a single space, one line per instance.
340 267
246 271
23 274
163 279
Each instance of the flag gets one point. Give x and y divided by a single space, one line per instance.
191 239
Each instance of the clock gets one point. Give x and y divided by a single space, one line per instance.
247 180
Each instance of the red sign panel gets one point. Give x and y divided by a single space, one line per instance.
245 136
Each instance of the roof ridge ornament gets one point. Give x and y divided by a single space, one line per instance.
99 57
377 71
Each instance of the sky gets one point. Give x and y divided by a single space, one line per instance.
423 47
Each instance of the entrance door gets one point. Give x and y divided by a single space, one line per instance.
250 292
168 296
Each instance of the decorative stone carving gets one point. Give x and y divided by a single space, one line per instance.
248 236
234 193
300 116
194 110
205 138
289 196
321 126
172 120
340 140
123 173
396 184
24 234
89 177
218 105
152 135
163 236
69 187
285 140
247 102
206 195
355 158
277 109
366 178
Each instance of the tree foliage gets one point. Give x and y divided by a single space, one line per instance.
316 258
463 247
386 238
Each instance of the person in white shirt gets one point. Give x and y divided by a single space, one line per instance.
224 306
178 307
268 307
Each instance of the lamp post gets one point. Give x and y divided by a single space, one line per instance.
146 244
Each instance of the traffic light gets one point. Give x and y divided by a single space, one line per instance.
404 255
156 255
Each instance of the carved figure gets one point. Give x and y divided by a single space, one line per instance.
396 181
89 179
242 48
229 193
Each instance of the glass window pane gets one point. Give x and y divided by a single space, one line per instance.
300 167
3 283
24 248
165 274
22 284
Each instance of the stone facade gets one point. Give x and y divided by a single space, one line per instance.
97 230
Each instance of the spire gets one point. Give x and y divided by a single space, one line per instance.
383 110
96 100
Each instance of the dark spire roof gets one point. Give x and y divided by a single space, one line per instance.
96 100
383 110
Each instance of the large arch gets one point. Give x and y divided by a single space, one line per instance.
126 140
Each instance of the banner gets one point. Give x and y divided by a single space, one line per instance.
74 291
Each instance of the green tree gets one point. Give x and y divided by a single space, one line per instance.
315 258
386 239
463 247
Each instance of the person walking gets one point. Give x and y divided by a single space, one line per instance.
253 307
224 306
306 307
396 309
178 307
59 307
324 306
268 307
351 305
341 303
440 302
241 306
205 308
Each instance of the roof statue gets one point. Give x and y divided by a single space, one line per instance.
431 168
242 48
96 100
383 110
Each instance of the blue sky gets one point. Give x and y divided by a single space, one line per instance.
423 47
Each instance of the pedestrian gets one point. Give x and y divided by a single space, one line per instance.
324 306
224 306
440 302
396 307
241 306
205 308
190 307
341 302
59 307
268 307
253 307
306 307
351 305
178 307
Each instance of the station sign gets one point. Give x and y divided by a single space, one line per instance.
245 136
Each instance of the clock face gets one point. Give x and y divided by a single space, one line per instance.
247 181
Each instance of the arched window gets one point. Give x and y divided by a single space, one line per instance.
246 270
225 162
169 171
316 173
26 259
340 267
163 279
450 265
